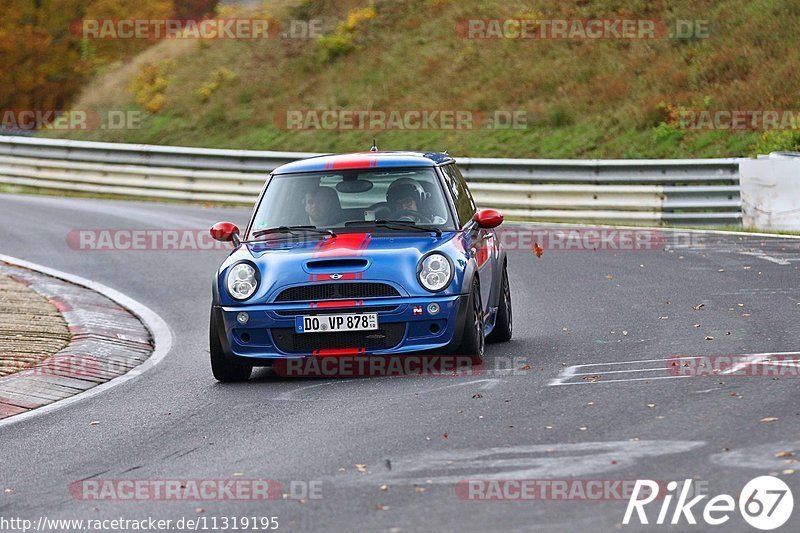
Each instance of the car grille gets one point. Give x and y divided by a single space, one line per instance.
336 291
388 336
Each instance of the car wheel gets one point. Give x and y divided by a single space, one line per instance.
503 324
224 370
473 341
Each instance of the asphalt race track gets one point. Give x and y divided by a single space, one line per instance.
545 415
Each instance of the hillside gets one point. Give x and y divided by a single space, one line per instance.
581 98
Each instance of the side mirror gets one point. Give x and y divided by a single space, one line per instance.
488 218
226 232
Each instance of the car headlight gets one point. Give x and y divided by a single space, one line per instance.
242 281
435 272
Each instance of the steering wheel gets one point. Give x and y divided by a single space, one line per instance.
411 216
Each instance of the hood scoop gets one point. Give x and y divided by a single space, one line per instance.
336 265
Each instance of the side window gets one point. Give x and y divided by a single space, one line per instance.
462 198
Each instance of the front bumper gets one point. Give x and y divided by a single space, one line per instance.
269 334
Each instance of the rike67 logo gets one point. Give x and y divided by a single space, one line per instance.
765 503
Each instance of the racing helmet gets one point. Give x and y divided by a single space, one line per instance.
405 188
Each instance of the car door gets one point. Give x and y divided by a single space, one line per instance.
481 241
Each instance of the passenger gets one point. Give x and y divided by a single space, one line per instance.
323 207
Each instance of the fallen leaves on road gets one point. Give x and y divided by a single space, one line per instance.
781 455
381 507
525 367
537 249
651 405
384 488
698 307
709 338
94 423
768 419
609 276
361 468
8 490
444 435
477 395
696 325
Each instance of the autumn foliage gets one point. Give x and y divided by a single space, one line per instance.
45 61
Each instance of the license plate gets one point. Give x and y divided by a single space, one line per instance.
335 323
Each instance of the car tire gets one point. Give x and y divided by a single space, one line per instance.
224 371
473 342
503 324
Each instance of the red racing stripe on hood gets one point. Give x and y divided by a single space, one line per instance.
343 245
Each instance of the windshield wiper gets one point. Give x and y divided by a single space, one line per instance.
395 224
293 229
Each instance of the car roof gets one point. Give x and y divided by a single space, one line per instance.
365 160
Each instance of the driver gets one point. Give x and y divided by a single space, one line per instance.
408 201
404 198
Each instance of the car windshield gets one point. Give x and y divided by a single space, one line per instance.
348 200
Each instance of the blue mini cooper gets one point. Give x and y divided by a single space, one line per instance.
367 254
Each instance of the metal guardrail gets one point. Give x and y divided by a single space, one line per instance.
693 191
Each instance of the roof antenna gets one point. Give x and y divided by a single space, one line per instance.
374 146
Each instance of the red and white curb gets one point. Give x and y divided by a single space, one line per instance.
114 339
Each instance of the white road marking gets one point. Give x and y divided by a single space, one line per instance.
536 461
291 396
748 360
762 255
762 456
572 371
